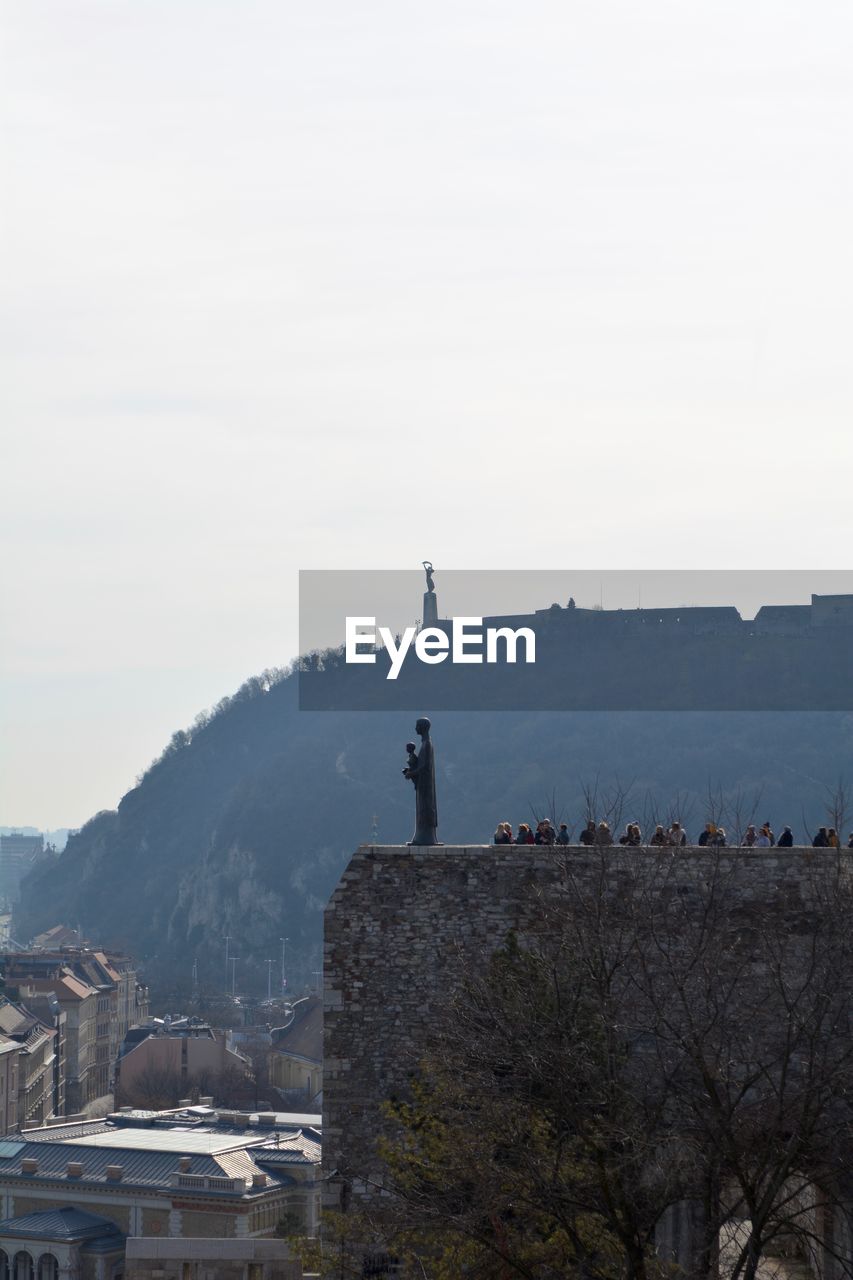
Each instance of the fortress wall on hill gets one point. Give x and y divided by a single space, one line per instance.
405 924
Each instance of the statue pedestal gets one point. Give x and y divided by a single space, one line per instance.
430 614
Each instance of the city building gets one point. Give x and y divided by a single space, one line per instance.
36 1061
9 1053
56 1243
147 1259
296 1055
98 991
79 1002
188 1187
50 1013
18 854
169 1057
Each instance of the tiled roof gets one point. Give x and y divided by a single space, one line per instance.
64 985
15 1021
59 935
59 1224
111 973
75 986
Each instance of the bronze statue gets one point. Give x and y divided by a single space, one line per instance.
428 570
421 771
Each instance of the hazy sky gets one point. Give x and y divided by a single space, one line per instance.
347 285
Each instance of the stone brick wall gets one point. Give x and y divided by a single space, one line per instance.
404 924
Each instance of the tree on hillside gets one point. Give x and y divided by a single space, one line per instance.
652 1050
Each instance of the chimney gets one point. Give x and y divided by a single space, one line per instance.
29 1165
259 1179
75 1169
184 1164
115 1173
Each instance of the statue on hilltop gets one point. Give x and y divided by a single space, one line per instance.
420 770
430 609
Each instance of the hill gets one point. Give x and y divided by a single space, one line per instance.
242 827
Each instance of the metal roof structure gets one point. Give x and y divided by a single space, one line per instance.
199 1150
182 1141
298 1148
59 1224
140 1168
62 1132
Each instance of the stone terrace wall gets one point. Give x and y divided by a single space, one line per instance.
404 924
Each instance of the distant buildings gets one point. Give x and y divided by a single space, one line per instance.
296 1055
94 995
789 619
18 854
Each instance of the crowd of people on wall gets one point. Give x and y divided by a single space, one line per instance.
674 836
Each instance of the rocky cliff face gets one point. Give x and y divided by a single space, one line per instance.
242 828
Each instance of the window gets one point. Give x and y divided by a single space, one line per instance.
22 1267
4 1266
48 1267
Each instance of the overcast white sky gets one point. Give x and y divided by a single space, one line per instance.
346 285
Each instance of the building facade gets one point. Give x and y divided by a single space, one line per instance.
98 995
175 1056
9 1054
36 1062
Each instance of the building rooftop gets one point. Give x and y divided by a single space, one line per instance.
59 1224
303 1034
155 1149
184 1141
140 1168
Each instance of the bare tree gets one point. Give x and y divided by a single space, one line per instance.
606 803
655 1042
157 1087
838 799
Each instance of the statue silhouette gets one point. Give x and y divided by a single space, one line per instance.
422 774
